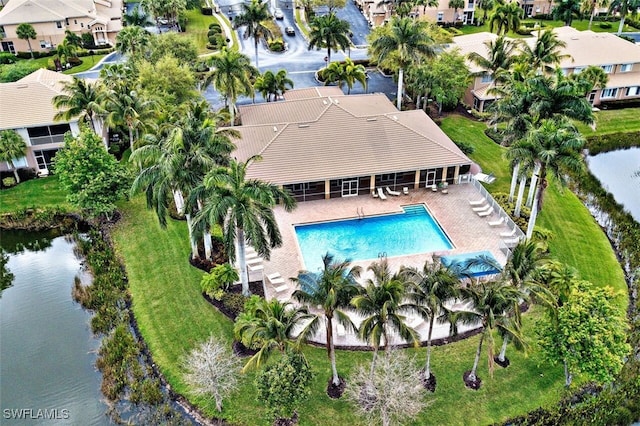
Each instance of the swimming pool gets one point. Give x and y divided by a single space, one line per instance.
412 232
475 271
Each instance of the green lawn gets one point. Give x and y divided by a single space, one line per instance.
581 25
40 192
87 63
613 121
198 27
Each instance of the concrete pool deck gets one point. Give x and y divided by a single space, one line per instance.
467 231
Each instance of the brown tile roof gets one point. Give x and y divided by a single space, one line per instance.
340 144
28 102
313 92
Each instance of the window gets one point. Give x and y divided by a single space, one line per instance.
440 16
486 78
59 24
43 44
609 93
607 68
66 21
626 67
578 70
48 134
82 25
75 21
633 91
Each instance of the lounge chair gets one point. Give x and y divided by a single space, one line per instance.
434 188
486 213
255 267
254 260
490 178
391 192
509 234
374 193
496 222
481 209
512 241
477 202
381 194
405 190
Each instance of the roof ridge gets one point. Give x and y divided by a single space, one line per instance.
275 136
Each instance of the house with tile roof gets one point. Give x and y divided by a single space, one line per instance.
26 107
619 58
51 18
322 144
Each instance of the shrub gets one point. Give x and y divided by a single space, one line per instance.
465 147
8 182
522 30
7 58
604 25
234 302
276 45
206 11
215 26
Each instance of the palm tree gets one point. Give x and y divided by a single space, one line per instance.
553 147
132 40
331 32
566 10
136 18
486 6
12 147
332 289
399 43
243 207
455 5
26 32
282 83
173 9
545 53
501 55
271 325
80 99
434 285
253 16
334 73
231 76
592 7
426 3
73 39
491 302
276 84
129 109
506 18
382 303
623 8
353 73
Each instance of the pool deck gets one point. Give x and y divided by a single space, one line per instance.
467 231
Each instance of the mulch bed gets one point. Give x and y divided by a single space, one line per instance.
287 422
255 287
471 384
503 364
334 391
242 351
430 383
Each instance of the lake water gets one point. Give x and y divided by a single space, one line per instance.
46 346
615 170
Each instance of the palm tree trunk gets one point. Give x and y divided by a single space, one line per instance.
523 181
131 138
194 246
532 217
620 27
542 186
593 12
427 368
31 50
568 377
514 181
373 363
399 100
207 243
242 261
533 185
232 112
328 55
93 126
472 375
503 350
332 352
15 172
256 49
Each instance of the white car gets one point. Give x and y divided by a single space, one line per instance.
278 14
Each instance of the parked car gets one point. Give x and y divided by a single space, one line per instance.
278 14
290 31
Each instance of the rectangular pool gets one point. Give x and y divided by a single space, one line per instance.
412 232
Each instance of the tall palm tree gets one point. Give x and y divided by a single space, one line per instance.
27 32
426 3
486 6
545 53
624 8
130 109
352 73
80 99
455 5
174 167
244 208
253 16
330 32
131 40
506 18
12 147
501 55
332 289
272 325
231 76
491 302
399 43
282 83
566 10
434 285
382 303
553 147
592 7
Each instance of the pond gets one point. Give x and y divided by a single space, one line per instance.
619 173
48 351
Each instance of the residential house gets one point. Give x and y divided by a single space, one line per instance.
51 18
377 12
320 144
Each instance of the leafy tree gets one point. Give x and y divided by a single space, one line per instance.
14 72
332 5
382 304
433 286
624 8
80 99
332 289
12 147
168 80
173 44
283 386
566 10
211 371
545 53
244 208
136 18
270 325
506 18
455 5
587 334
400 43
92 178
27 32
132 40
390 396
330 32
232 76
253 16
447 79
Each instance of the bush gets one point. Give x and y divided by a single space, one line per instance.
604 25
7 58
234 302
206 11
465 147
523 30
8 182
276 45
216 26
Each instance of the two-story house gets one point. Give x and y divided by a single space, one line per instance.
377 12
51 18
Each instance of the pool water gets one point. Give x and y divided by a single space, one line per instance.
412 232
474 271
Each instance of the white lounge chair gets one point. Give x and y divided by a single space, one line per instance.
481 209
405 190
509 234
434 188
490 178
496 222
391 192
477 202
275 278
512 241
486 213
381 194
254 260
255 267
374 193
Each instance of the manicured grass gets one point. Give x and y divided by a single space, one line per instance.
88 62
40 192
613 121
580 25
197 28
